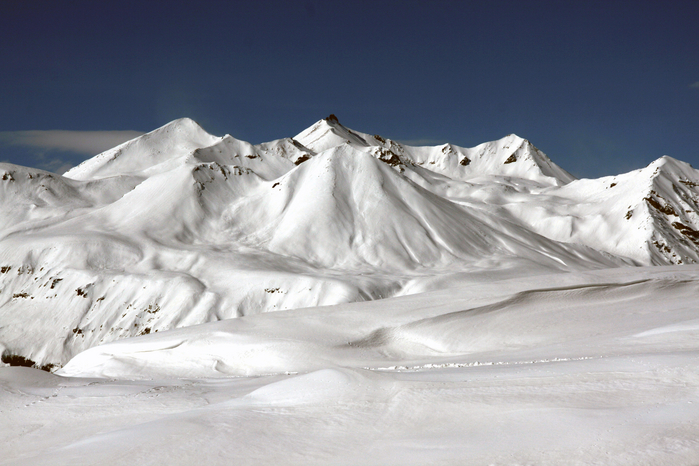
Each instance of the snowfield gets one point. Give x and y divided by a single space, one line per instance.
342 298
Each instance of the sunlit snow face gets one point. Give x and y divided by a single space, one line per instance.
342 276
203 227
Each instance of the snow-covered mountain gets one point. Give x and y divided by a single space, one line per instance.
179 227
649 215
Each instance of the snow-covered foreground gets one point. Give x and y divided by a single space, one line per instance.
597 367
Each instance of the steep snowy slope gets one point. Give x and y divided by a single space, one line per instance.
138 265
345 209
650 215
31 196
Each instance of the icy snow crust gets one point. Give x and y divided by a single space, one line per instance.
342 298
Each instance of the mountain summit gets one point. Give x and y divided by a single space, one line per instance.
509 156
165 145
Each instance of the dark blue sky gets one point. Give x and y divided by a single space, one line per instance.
601 87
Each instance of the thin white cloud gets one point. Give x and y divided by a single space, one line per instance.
81 142
694 85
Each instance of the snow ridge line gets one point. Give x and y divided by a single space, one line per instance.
450 365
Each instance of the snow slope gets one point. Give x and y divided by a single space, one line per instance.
178 227
595 367
343 298
156 151
508 320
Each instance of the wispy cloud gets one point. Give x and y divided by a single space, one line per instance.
81 142
694 85
57 151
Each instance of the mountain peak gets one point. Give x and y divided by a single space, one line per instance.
173 140
332 119
668 163
514 137
328 133
182 122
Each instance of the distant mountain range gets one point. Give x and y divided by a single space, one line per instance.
178 227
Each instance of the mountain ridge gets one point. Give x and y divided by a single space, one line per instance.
179 227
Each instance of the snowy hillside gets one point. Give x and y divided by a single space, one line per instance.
179 227
650 215
341 276
597 367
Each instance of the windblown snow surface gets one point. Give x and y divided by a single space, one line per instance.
343 298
